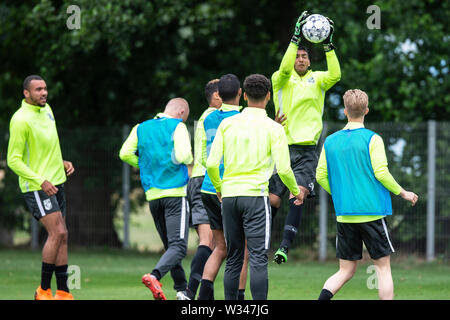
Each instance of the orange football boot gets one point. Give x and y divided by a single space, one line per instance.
41 294
154 285
63 295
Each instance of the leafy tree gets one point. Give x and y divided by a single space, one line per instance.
130 57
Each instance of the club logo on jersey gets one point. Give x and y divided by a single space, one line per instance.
50 116
47 204
311 80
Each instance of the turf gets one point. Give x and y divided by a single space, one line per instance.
116 274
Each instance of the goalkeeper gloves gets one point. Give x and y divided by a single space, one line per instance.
298 28
327 43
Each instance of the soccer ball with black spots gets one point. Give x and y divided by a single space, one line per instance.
316 28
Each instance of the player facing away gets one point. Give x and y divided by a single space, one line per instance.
299 95
229 89
199 217
164 149
353 169
34 154
249 144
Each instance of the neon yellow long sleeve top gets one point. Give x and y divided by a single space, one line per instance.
301 98
199 144
183 154
34 152
250 144
379 165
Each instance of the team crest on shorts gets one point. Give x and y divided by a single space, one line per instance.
47 204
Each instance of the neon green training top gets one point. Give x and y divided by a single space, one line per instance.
380 168
301 99
34 153
183 154
251 144
199 139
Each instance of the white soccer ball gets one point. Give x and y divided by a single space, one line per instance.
316 28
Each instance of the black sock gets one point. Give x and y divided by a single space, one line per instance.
241 294
46 275
325 295
157 274
291 224
274 211
61 277
197 266
206 290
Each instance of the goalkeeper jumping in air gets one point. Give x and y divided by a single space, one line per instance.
299 95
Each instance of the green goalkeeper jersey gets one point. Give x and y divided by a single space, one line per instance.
301 98
34 153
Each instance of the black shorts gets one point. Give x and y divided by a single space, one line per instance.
194 195
213 208
40 204
374 234
304 161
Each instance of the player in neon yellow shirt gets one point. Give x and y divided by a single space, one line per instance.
199 217
250 144
230 92
299 95
353 169
34 154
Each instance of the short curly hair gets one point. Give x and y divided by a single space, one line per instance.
256 87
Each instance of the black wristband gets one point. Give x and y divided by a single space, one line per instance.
328 47
295 39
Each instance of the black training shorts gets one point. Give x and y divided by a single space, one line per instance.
194 195
213 208
304 161
374 234
40 204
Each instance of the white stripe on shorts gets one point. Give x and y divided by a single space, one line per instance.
267 235
183 217
38 201
387 234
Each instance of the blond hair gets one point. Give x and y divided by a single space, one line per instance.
356 102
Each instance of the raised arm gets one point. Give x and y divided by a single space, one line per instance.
282 75
330 77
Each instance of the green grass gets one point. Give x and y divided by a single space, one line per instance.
116 274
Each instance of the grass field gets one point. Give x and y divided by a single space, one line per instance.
116 274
